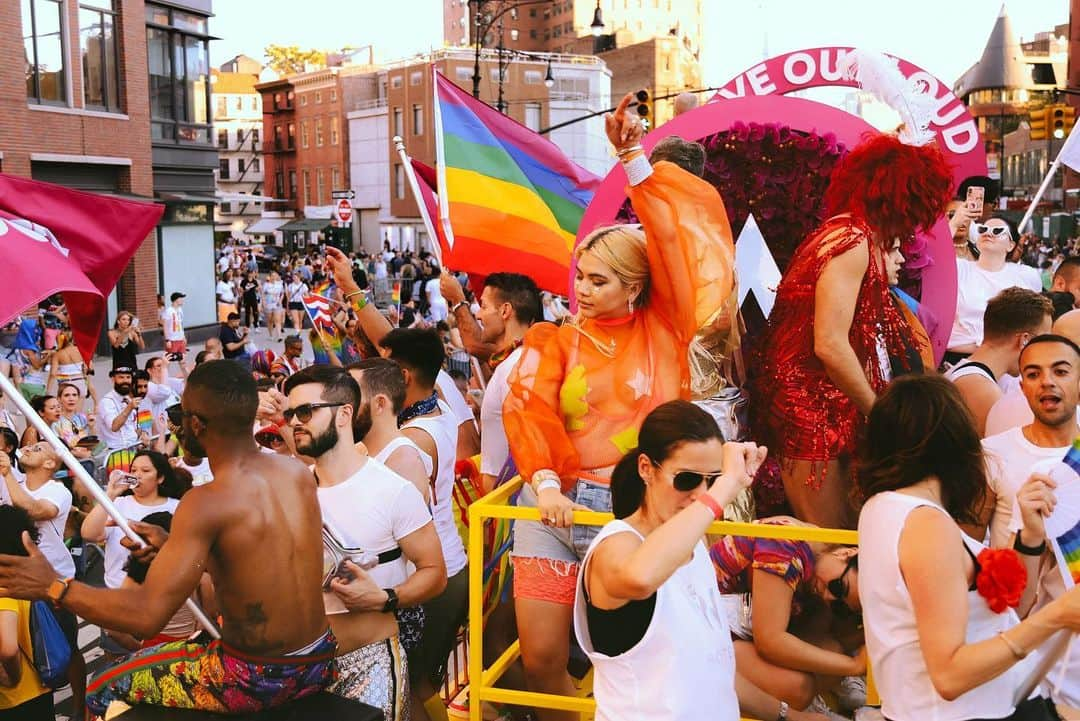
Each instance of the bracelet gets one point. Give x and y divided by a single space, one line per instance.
360 302
1028 550
545 475
1018 652
627 151
638 169
712 504
781 715
459 304
546 484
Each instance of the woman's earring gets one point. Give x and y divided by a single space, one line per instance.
630 305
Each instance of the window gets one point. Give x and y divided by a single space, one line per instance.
333 130
513 13
532 34
463 73
532 116
239 104
399 122
333 94
319 186
395 82
100 54
43 45
254 137
417 120
399 181
533 77
303 99
318 133
240 167
223 138
223 168
335 178
279 184
303 134
513 34
318 96
226 208
255 102
306 200
219 107
256 165
292 184
279 138
415 77
292 136
179 73
240 136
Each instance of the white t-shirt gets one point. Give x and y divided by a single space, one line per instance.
494 448
160 396
372 510
109 407
172 323
223 263
295 292
51 541
459 409
200 474
115 554
975 287
225 291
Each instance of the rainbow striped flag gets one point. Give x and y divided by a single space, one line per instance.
319 349
508 197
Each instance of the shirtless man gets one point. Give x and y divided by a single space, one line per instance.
276 646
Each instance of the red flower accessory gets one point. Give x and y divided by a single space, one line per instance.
1001 578
467 470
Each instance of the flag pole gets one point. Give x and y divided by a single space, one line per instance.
91 485
1066 146
429 226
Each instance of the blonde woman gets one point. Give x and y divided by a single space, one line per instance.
66 366
273 305
581 391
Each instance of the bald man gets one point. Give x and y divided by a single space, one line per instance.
1012 409
1067 278
685 102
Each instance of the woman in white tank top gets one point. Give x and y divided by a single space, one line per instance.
647 609
938 650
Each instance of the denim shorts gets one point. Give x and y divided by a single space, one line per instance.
533 539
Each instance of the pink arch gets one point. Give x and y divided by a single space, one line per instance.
939 279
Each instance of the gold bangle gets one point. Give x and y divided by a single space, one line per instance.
1017 652
626 151
353 294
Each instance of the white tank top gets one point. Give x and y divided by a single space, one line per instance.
398 442
683 668
892 638
443 430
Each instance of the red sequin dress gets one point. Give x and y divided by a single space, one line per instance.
797 410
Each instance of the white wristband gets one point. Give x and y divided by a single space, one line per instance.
548 483
638 169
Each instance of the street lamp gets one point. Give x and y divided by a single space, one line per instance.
597 24
549 79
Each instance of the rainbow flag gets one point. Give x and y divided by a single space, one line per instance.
508 197
319 349
144 421
395 295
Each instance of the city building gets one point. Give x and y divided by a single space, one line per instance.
398 101
238 124
95 107
650 44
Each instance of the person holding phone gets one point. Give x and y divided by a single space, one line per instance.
126 340
980 280
118 411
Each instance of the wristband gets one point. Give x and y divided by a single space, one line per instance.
1028 550
459 304
548 483
1018 652
712 504
638 169
357 302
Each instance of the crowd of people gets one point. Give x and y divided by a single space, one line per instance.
340 477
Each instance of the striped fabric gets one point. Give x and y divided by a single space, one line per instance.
509 198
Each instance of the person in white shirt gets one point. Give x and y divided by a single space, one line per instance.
382 393
979 281
372 512
163 390
1012 318
223 260
1050 382
48 502
295 290
427 421
940 649
117 412
172 327
226 296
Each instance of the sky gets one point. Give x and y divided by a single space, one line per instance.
944 37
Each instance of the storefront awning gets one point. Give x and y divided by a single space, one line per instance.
306 225
265 226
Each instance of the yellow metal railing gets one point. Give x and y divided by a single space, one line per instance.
494 506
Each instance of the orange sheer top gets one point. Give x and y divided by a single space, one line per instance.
580 391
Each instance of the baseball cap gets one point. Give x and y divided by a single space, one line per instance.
174 296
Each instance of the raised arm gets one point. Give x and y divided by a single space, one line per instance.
371 321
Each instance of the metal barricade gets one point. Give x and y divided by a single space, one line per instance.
495 506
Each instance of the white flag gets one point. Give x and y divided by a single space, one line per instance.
755 267
1070 152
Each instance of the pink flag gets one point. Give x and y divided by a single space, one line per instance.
57 240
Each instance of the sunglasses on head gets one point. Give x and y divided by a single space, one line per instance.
687 481
994 230
304 411
838 587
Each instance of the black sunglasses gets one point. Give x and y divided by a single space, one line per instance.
838 587
994 230
687 481
303 411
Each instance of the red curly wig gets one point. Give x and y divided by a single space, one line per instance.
896 188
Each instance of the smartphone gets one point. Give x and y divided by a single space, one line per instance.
134 322
975 196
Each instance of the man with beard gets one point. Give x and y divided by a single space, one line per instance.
117 412
382 394
383 522
1050 381
275 645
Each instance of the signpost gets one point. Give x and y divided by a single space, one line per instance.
349 194
343 212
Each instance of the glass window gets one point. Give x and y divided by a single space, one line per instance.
292 184
239 136
319 186
333 94
100 55
333 130
417 120
279 138
399 181
395 82
415 77
256 165
239 103
292 135
189 21
254 136
318 133
219 107
306 200
157 15
279 184
240 167
179 72
303 134
303 99
318 96
43 45
223 168
223 138
513 34
399 122
335 175
533 77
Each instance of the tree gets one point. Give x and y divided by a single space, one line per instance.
290 59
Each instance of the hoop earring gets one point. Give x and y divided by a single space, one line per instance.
630 306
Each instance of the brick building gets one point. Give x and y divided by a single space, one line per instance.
238 127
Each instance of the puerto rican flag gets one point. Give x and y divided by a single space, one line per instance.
318 308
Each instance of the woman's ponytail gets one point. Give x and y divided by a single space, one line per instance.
627 485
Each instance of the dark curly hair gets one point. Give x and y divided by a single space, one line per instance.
920 428
13 521
896 188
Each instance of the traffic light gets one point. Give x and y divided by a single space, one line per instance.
644 107
1061 119
1039 123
